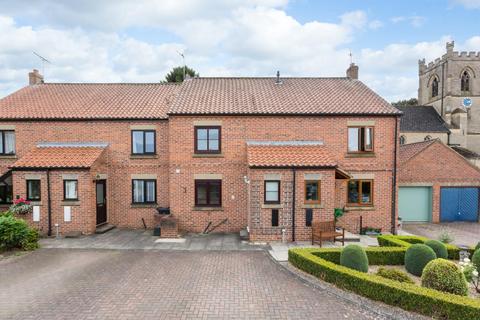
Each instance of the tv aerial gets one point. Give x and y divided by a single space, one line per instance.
44 60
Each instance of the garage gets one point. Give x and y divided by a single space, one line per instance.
459 204
415 204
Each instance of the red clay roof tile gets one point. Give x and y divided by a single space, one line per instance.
59 157
288 154
89 101
292 96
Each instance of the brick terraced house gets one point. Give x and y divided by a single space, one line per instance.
267 154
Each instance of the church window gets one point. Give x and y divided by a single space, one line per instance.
465 81
434 87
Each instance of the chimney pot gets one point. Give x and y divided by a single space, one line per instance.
278 81
352 71
35 77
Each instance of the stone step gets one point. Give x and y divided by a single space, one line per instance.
351 237
104 228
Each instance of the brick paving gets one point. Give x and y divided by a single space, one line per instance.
146 284
464 233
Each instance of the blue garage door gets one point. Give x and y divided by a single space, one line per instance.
459 204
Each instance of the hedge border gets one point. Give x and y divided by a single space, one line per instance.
407 296
407 241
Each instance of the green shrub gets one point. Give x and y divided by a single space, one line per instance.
446 276
394 274
446 237
438 247
354 257
416 258
15 233
476 259
477 246
407 296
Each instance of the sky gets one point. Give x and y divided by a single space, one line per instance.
140 41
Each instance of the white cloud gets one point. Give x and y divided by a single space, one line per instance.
414 21
375 24
469 4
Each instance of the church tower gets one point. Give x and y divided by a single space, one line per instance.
451 84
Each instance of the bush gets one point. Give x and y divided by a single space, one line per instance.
15 233
444 275
376 255
416 258
477 246
446 237
394 274
476 259
438 247
354 257
407 296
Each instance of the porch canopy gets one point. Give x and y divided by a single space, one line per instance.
60 155
292 154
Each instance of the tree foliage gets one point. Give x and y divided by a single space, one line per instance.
176 74
406 103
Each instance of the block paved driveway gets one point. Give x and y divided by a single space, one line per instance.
464 233
134 284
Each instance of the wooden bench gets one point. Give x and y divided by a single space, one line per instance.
326 230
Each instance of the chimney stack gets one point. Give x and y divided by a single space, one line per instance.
352 71
35 77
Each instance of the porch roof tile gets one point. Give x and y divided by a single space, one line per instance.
59 157
289 154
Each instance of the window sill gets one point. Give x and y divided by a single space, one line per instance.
144 205
207 155
361 155
359 208
207 208
313 206
35 202
6 156
143 156
70 203
272 206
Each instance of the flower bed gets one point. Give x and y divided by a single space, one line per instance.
323 263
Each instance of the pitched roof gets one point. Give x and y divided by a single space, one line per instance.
408 151
466 153
421 119
89 101
264 96
60 157
288 154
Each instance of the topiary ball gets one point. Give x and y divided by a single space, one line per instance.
446 276
476 259
354 257
439 248
477 246
416 258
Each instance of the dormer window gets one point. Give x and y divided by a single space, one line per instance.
434 87
465 82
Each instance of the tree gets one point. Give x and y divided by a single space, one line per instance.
176 74
406 103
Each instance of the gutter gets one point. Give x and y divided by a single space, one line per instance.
293 204
49 204
394 182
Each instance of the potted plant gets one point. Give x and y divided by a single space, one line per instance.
21 206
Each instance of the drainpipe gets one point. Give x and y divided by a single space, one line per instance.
394 177
49 204
293 206
443 86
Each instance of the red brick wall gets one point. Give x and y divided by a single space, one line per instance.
232 164
117 163
438 166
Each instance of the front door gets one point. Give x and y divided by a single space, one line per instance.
101 196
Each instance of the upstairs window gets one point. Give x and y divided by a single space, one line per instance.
360 139
465 82
7 142
360 192
434 87
144 191
207 139
33 190
143 142
208 193
272 192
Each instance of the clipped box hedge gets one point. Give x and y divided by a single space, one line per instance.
406 241
321 263
376 255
